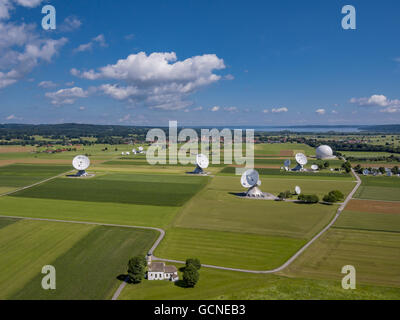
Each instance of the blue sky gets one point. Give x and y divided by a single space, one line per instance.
200 62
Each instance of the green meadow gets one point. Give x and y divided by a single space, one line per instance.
19 175
375 255
379 188
227 285
88 259
156 191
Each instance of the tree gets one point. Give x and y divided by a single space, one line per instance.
326 164
329 198
337 194
347 166
137 269
285 195
310 198
382 170
395 170
194 262
190 276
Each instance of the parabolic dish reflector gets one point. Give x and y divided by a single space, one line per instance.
250 178
366 172
287 163
301 159
81 162
202 161
314 167
297 190
140 149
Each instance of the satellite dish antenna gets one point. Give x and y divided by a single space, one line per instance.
297 190
81 163
202 163
140 149
301 160
250 179
128 153
287 164
314 167
365 172
134 151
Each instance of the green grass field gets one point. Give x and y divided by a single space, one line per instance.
101 212
290 174
88 259
228 249
375 255
227 285
369 221
379 188
274 149
216 208
146 190
19 175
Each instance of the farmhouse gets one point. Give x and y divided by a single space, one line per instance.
160 271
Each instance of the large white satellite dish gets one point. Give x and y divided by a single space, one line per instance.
301 160
251 179
81 163
202 163
140 149
365 172
297 190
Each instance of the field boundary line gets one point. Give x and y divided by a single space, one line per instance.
299 252
162 235
35 184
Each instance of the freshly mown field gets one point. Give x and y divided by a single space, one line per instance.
361 220
375 255
227 285
282 149
88 259
217 208
290 174
19 175
228 249
379 188
101 212
162 190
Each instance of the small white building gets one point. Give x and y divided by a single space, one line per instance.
160 271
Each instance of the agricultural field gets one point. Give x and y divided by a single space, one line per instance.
88 258
216 219
379 188
18 175
228 285
202 217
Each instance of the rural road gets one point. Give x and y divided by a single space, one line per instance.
298 253
162 234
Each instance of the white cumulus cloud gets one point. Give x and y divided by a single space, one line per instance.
377 100
157 80
66 96
320 111
279 110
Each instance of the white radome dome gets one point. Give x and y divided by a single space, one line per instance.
324 152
